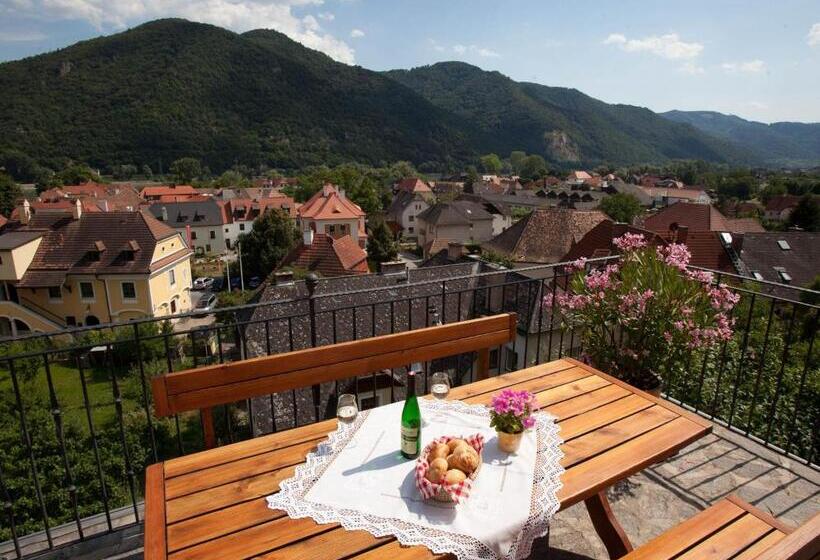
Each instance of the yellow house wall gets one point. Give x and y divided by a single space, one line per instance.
72 303
16 261
162 291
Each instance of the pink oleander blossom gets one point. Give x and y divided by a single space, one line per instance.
647 313
512 411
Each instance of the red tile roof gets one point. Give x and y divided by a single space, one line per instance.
3 220
413 185
329 257
167 190
598 241
783 202
698 217
330 204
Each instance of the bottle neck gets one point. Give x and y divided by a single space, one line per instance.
411 383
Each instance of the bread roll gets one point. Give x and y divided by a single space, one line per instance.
440 464
440 450
437 470
465 459
453 443
455 476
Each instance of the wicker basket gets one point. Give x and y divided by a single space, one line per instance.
444 496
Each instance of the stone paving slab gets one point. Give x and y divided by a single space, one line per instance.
661 497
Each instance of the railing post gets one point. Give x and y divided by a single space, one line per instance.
311 281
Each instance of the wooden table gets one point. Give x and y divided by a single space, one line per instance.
212 504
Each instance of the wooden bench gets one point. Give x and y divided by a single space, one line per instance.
733 529
205 387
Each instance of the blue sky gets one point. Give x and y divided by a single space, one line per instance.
756 59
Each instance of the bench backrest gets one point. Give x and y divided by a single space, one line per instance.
208 386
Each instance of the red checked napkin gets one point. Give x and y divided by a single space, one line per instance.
458 492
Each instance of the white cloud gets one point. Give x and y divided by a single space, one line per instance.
748 67
813 38
357 33
692 69
240 16
326 16
475 49
759 105
21 36
669 46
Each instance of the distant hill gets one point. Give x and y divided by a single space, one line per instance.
562 124
781 143
173 88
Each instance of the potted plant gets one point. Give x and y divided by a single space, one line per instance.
511 414
640 316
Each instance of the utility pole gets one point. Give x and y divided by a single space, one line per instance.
241 272
228 271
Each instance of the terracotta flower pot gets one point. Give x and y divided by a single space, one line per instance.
509 443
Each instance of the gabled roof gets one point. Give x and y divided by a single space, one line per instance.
329 257
401 201
546 235
457 212
97 243
413 185
247 209
698 217
330 204
598 241
783 202
192 213
762 252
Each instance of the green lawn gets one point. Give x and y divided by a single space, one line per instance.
69 392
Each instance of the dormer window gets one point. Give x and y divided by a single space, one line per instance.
783 244
785 277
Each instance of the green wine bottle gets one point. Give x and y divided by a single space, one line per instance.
411 420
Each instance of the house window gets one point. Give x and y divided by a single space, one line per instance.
55 293
193 235
785 277
228 243
70 321
331 229
129 291
208 248
86 290
226 230
173 306
411 218
213 234
172 277
241 227
410 229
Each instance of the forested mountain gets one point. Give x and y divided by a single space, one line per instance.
561 124
781 143
172 88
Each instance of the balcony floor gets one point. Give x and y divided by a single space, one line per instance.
661 497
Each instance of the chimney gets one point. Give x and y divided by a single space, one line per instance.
682 234
77 211
307 237
454 250
283 278
342 194
25 212
164 214
104 205
393 268
737 242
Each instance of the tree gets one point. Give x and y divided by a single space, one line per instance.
229 179
806 215
77 174
186 169
491 163
10 193
125 171
147 172
381 245
517 160
621 207
273 236
472 176
533 167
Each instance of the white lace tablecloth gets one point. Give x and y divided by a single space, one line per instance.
358 478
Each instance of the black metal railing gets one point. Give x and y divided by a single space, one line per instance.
78 429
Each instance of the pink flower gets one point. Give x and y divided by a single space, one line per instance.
528 422
630 242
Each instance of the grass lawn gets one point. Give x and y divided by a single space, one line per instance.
68 388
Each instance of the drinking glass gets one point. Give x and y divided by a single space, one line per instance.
346 409
439 388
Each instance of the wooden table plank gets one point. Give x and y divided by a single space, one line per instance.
215 499
332 545
731 540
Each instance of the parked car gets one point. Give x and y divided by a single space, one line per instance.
206 302
236 282
203 283
218 284
254 282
